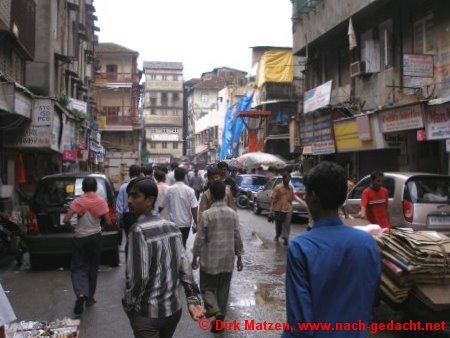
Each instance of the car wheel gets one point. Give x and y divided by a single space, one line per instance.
256 209
242 202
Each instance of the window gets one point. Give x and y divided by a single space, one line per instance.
423 35
152 145
164 145
175 112
386 46
175 130
153 130
175 97
111 111
164 130
164 77
153 111
111 72
370 52
164 99
204 97
164 112
175 77
175 145
153 102
152 76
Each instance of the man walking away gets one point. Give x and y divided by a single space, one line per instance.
217 243
281 204
375 202
126 219
181 203
90 208
155 268
333 271
160 177
196 183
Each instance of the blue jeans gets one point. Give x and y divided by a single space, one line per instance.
85 262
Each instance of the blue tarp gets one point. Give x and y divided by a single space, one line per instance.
233 128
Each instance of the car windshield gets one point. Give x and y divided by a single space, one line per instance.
57 191
429 190
252 180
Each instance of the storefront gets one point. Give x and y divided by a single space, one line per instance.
437 137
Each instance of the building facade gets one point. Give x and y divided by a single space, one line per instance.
46 69
377 85
163 111
207 104
117 95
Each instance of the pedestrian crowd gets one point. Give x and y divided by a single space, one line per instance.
332 272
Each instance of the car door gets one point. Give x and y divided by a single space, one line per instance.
264 195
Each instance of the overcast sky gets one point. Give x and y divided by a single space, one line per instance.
202 34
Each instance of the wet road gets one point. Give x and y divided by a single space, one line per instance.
257 293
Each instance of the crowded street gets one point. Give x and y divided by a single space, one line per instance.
257 292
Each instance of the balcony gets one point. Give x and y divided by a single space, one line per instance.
114 77
18 25
278 91
119 123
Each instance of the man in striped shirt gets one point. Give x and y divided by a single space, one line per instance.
156 266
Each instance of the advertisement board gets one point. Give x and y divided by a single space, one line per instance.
318 97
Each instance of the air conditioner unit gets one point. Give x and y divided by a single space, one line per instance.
357 68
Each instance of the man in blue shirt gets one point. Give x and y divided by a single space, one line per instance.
333 271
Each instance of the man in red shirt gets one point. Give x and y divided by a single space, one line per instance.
375 202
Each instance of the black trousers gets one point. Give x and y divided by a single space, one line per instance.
185 234
144 327
85 262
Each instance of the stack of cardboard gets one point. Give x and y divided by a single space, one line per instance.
412 258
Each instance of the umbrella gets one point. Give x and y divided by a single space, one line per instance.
254 160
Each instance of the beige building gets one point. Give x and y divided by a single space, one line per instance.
117 94
163 110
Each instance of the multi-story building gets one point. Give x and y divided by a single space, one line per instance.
378 89
46 60
117 94
163 111
205 118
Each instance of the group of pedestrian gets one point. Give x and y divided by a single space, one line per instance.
332 274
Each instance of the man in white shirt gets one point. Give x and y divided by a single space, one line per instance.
6 312
182 204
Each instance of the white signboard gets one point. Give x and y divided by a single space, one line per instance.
164 137
404 118
159 159
438 122
318 97
418 65
42 112
323 147
78 105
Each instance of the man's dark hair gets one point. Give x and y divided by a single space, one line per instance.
144 185
147 170
328 180
134 170
163 169
179 174
217 190
375 174
160 175
285 173
89 184
174 165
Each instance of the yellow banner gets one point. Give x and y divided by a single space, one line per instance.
276 66
347 136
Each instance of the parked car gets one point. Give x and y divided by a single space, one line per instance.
248 185
416 200
262 199
48 238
